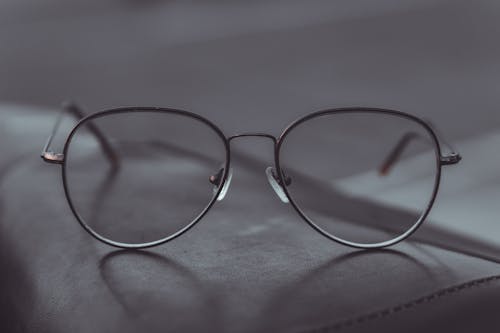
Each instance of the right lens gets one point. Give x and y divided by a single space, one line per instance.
136 177
363 177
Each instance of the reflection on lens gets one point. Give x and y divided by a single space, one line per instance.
365 178
142 176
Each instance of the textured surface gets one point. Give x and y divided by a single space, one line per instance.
250 265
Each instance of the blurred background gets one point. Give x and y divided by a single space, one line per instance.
258 65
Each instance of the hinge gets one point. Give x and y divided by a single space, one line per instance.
451 159
51 157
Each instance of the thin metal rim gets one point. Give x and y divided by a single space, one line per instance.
104 113
437 179
277 149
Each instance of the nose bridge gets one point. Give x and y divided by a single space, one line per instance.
253 134
272 176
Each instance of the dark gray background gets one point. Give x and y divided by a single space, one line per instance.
257 64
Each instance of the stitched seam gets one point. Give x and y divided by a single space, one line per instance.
404 306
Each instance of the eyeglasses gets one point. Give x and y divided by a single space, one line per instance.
138 177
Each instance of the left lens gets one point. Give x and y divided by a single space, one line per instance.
363 177
160 183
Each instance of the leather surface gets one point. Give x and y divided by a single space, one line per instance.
250 265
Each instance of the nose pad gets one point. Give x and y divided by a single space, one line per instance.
216 180
274 181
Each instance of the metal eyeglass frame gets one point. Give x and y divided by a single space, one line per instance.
278 180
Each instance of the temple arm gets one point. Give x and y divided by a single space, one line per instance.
448 159
58 158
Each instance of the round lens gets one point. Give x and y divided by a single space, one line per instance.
363 177
142 176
